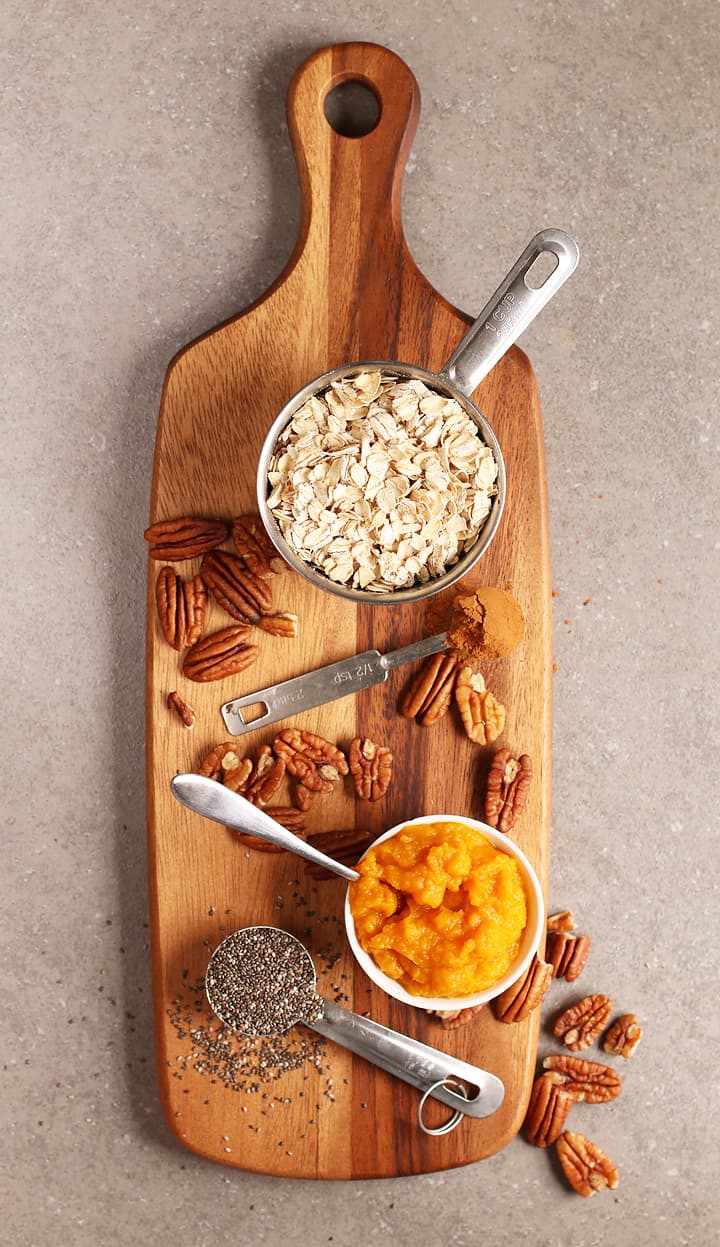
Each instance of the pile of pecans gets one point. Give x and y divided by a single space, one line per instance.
429 695
238 582
568 1079
314 763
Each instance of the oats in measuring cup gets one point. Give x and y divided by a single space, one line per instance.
381 482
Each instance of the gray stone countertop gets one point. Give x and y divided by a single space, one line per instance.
149 192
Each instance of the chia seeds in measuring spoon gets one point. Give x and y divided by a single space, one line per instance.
261 981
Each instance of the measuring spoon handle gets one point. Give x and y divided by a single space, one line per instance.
213 800
413 1062
514 305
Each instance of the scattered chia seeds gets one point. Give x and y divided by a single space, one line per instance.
240 1064
261 981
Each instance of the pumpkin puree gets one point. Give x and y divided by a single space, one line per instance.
439 909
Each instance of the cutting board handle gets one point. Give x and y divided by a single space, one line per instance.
360 178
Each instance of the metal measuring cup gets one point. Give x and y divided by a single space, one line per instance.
514 305
434 1073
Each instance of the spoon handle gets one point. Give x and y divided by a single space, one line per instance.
213 800
414 1062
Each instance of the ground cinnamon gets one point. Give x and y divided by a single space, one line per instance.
488 623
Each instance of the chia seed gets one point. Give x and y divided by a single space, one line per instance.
261 981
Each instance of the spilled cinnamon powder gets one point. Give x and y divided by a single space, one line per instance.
487 623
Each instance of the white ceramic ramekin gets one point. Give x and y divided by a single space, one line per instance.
528 945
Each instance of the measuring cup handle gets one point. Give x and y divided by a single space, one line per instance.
413 1062
511 309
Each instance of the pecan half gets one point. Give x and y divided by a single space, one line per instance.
429 693
221 654
304 797
185 713
452 1019
520 999
239 777
585 1080
508 784
180 607
266 776
290 818
255 547
371 768
310 758
184 538
580 1025
220 760
563 921
283 624
547 1111
623 1037
482 715
345 846
585 1165
235 587
567 953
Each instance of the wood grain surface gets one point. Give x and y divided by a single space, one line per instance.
351 291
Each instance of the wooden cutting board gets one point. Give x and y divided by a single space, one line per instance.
351 291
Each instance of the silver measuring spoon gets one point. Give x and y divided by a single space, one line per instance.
324 684
284 964
213 800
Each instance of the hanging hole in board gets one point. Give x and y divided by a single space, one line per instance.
352 109
540 269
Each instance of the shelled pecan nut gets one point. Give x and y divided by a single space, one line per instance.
453 1019
255 547
547 1111
508 784
623 1037
266 776
184 538
239 777
482 715
520 999
581 1024
585 1165
235 587
292 819
589 1081
567 954
282 624
289 818
185 713
344 846
304 797
371 768
219 655
221 759
562 921
180 607
429 693
316 762
255 843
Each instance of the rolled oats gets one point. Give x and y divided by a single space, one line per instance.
381 483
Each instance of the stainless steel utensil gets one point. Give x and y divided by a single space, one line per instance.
324 684
213 800
415 1063
514 305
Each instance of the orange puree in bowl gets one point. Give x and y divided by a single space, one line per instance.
439 909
